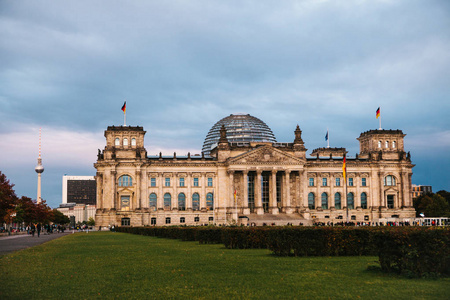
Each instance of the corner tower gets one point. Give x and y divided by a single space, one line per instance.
124 142
382 144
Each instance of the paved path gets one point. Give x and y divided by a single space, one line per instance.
13 243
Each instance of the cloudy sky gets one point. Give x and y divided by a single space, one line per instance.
68 66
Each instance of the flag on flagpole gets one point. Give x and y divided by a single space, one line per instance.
326 136
344 169
378 112
124 107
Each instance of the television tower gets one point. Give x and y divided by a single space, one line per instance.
39 169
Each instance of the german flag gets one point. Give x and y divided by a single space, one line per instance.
124 107
344 169
378 112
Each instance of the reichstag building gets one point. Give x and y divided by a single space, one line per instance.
244 176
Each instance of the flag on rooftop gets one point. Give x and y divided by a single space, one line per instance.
378 112
124 107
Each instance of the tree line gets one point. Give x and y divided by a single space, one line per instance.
24 209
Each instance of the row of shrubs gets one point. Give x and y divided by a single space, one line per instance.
415 251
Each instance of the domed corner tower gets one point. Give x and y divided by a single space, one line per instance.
239 128
382 144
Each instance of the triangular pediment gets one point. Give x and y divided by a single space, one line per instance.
266 155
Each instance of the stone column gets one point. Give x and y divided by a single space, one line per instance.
405 189
331 197
99 194
160 196
203 193
288 191
273 196
258 196
246 210
113 184
137 205
174 185
189 192
357 198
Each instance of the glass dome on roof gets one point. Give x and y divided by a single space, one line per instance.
240 128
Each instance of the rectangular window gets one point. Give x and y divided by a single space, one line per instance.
167 183
167 220
210 181
363 182
195 181
311 181
152 181
350 182
153 221
338 181
211 219
182 220
324 182
181 181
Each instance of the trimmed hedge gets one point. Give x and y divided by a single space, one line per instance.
414 251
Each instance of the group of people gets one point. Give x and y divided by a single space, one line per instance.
34 228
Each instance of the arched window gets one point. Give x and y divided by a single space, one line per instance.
311 204
181 201
389 180
133 142
153 201
386 144
167 201
350 201
337 201
379 144
125 142
394 144
117 142
195 201
209 201
125 180
324 201
363 200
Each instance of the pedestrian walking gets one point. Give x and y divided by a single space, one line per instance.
39 229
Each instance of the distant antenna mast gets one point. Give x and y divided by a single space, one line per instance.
39 170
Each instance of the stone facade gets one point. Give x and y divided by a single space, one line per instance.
252 182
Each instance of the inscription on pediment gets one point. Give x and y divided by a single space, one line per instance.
265 155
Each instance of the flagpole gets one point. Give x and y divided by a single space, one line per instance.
125 118
380 122
346 197
328 139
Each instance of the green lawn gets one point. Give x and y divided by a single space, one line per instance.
115 265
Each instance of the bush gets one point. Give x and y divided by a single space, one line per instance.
415 252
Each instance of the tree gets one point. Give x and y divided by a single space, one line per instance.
432 205
25 210
8 198
59 217
91 222
44 213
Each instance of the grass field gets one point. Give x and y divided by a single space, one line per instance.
115 265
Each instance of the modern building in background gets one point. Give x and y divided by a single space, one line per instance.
78 197
79 190
419 190
251 180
